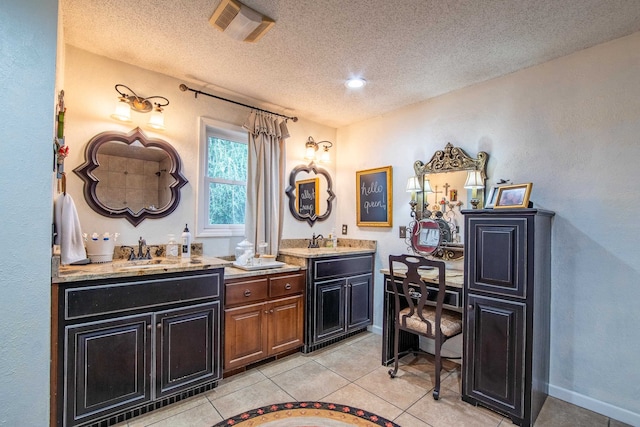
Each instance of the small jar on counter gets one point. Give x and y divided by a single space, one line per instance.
173 248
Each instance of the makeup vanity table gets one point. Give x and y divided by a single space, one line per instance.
452 301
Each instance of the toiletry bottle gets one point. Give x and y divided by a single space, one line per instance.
334 238
173 248
186 242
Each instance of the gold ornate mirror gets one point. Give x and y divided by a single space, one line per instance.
449 182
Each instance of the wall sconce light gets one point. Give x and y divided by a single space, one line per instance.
127 102
474 181
311 147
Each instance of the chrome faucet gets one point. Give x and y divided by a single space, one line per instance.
141 242
313 243
141 254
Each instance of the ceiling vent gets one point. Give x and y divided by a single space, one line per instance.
240 22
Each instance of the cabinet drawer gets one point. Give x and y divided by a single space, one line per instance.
135 295
332 268
286 285
246 291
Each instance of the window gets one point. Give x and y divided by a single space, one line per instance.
223 179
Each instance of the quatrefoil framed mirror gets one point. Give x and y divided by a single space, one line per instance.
131 176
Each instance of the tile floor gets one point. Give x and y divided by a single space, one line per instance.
350 373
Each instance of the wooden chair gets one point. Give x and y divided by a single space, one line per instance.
418 317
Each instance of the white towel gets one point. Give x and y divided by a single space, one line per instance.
69 235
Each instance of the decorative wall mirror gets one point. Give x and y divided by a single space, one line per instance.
310 193
127 175
450 182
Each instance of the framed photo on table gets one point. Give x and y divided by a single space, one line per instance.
513 196
374 197
491 197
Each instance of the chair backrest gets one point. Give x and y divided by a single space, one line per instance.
407 269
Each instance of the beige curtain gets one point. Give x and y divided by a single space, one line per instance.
265 179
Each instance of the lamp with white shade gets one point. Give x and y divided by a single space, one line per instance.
473 183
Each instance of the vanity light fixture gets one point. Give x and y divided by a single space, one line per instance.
311 147
127 102
474 181
355 83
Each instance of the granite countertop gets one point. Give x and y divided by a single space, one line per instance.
237 273
298 248
452 277
324 252
123 268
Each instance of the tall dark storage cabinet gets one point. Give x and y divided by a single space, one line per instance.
506 321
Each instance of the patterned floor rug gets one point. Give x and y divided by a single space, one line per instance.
306 414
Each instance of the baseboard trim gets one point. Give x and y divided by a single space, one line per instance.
594 405
375 329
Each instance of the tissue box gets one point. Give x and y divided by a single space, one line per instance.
100 250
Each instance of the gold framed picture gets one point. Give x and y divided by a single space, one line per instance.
513 196
374 197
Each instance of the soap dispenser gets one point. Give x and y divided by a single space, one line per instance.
186 242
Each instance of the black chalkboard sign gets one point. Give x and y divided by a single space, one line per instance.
374 197
307 191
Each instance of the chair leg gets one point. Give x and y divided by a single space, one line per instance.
436 389
394 371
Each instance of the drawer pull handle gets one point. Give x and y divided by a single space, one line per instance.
271 311
287 286
470 307
159 325
149 327
247 293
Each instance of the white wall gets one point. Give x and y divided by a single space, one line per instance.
571 127
27 83
90 95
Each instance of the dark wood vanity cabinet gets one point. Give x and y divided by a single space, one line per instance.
127 343
264 317
339 298
506 320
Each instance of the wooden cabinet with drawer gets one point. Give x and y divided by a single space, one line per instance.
264 317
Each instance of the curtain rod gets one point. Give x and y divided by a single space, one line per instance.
185 88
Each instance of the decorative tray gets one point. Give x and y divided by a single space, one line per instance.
259 266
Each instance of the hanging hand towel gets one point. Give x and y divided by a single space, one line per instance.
69 235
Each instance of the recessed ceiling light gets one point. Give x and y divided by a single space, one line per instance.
355 83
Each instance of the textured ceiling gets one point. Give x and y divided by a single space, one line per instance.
407 50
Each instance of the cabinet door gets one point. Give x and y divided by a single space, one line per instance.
286 321
359 302
329 316
498 255
245 335
108 367
187 340
494 346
